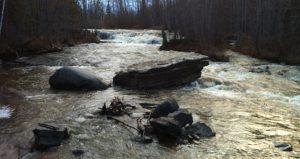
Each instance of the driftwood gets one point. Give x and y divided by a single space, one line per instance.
170 122
117 107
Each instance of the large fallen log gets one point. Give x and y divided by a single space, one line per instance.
162 74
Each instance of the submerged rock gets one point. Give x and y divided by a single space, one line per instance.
165 108
200 129
284 146
46 136
162 74
78 153
265 70
68 78
183 117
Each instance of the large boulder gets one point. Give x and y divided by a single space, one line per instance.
165 108
69 78
162 74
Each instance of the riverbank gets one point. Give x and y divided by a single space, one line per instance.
273 53
287 52
215 54
41 44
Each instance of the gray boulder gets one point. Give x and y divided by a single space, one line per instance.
165 108
68 78
162 74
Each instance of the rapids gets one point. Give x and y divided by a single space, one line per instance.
248 108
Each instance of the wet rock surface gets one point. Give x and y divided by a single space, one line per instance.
166 126
162 74
68 78
169 120
165 108
200 129
47 136
183 117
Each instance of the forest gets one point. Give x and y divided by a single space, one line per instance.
172 79
268 29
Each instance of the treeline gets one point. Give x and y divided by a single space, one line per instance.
263 28
35 26
127 14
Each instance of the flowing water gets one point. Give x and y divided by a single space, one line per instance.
250 103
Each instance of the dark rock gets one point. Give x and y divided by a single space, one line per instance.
200 129
165 108
46 136
166 126
105 35
284 146
77 153
265 70
183 117
68 78
147 140
162 74
148 105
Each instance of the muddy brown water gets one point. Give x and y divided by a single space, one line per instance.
248 108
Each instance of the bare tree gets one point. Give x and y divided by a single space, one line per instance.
2 16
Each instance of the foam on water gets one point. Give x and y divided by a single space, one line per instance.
129 37
216 90
278 97
5 112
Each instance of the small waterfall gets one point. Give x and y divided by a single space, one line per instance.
130 37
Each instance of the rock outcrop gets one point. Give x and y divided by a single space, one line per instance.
68 78
162 74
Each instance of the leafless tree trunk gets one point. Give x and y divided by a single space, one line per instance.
2 16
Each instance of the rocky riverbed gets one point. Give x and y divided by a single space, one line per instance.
250 103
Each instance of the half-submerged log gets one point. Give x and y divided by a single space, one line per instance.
162 74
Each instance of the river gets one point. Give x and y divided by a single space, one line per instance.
250 103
